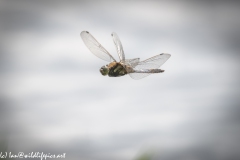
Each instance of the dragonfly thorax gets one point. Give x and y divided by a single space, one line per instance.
113 69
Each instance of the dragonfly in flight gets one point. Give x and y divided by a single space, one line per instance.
134 67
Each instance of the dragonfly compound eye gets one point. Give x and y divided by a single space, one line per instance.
104 70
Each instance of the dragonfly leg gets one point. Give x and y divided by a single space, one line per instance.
117 68
122 72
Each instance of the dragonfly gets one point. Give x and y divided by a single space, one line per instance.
135 68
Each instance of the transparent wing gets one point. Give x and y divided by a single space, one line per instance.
132 62
137 76
119 47
95 47
151 63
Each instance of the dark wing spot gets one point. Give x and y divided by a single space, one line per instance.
111 34
87 32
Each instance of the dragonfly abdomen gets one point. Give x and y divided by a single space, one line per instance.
148 71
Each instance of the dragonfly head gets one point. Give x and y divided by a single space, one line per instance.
104 70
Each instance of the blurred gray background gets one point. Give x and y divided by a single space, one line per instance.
54 99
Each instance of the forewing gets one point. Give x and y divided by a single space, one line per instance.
151 63
119 47
95 47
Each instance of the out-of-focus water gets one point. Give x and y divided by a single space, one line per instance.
54 99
